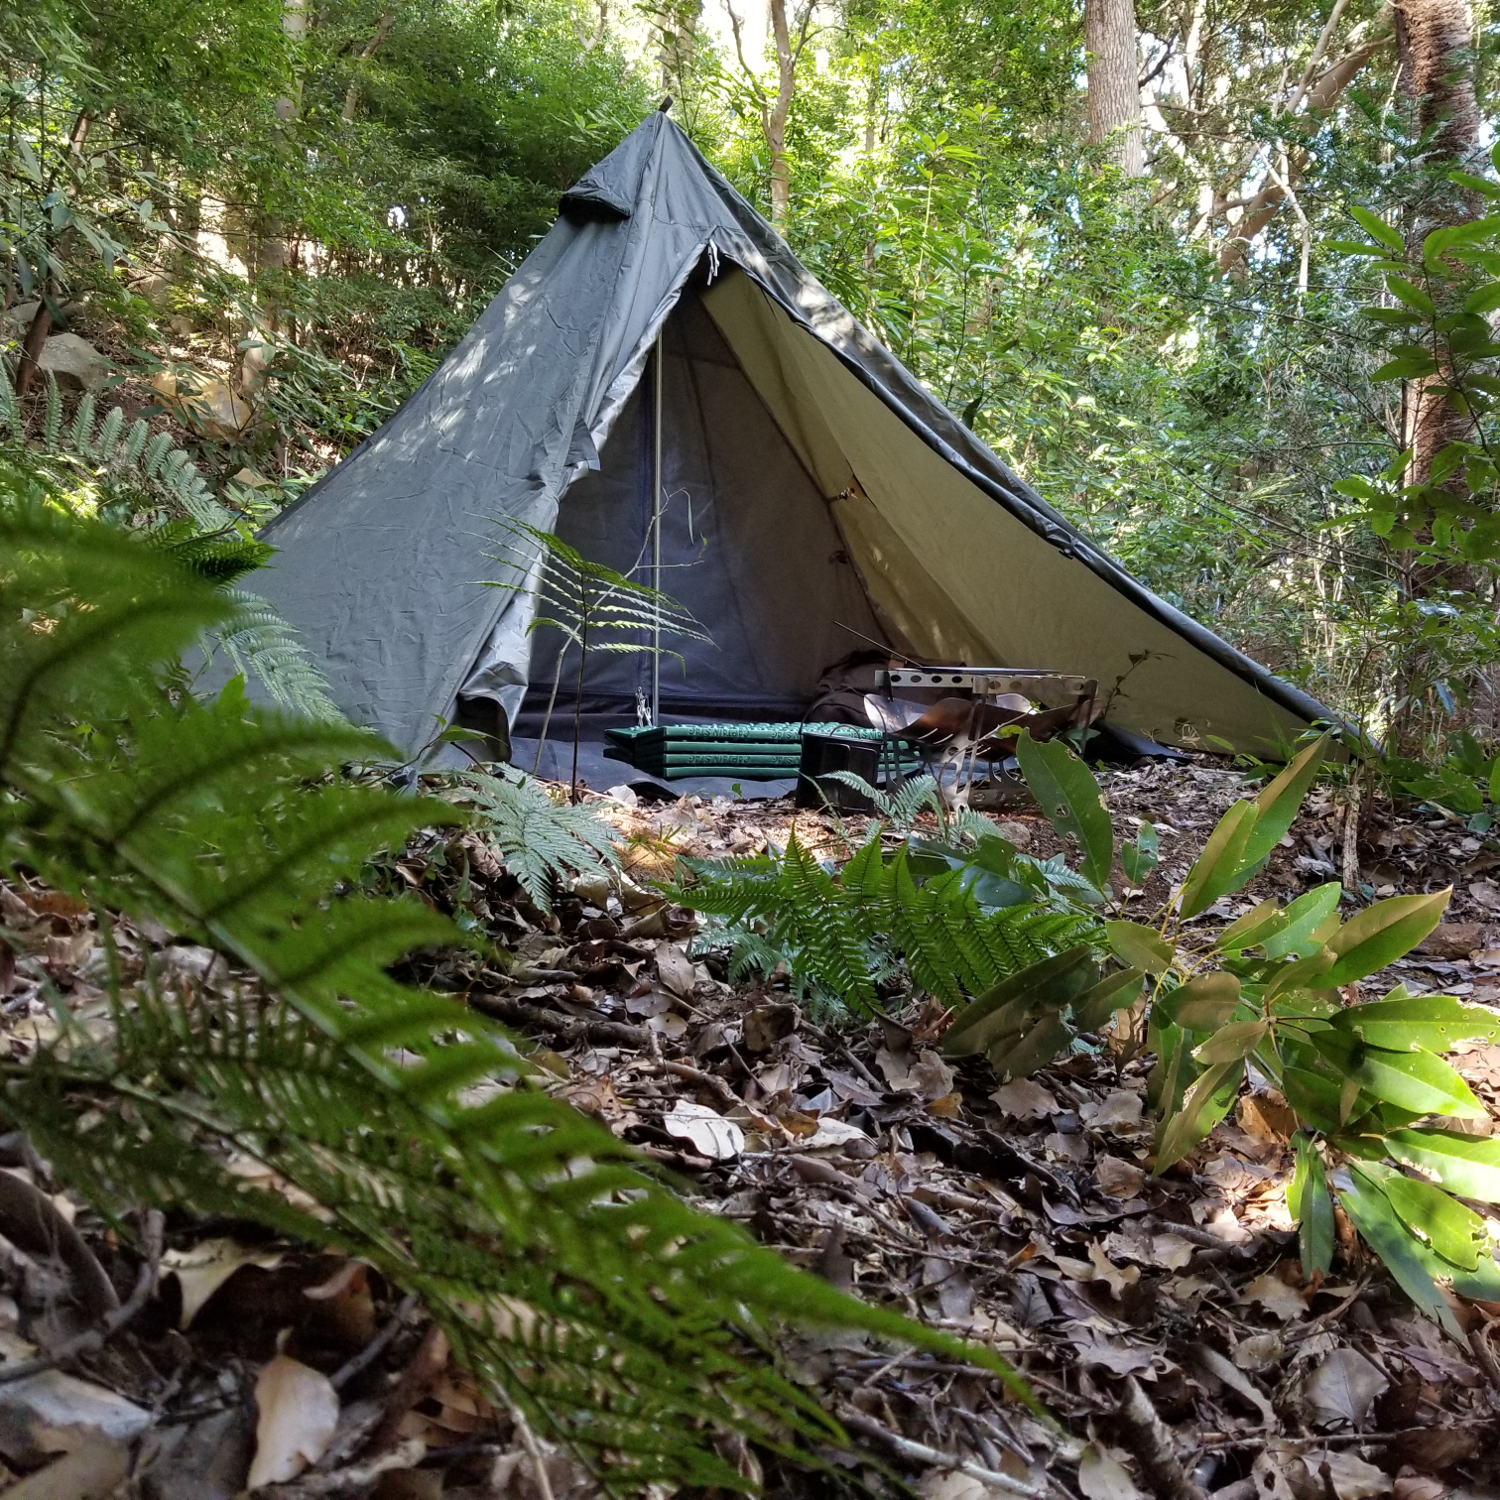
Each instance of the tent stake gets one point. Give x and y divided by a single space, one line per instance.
656 528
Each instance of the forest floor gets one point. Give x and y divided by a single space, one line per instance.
1163 1321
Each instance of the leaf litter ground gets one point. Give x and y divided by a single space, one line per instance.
1163 1321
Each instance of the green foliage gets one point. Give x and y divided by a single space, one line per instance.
843 933
1264 992
573 1283
130 475
594 608
538 838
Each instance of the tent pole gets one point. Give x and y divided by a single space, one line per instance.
656 527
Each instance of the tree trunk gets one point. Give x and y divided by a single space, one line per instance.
382 31
1263 207
1114 89
1437 70
31 347
776 117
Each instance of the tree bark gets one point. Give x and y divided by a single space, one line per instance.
1437 72
1109 35
1266 203
790 35
31 347
382 31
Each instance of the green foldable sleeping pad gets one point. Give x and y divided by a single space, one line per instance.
752 752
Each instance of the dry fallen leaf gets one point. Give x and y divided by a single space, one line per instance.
1121 1110
676 969
708 1132
1259 1352
1024 1100
1350 1476
1101 1478
201 1271
1345 1386
1119 1178
950 1484
299 1412
90 1471
933 1077
1278 1299
1118 1277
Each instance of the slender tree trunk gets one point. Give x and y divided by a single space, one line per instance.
382 31
790 36
1437 70
31 347
781 108
1114 88
1435 38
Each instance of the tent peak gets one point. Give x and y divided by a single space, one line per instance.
612 188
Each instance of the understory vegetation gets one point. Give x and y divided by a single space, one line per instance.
1242 333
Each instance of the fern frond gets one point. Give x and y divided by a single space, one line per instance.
52 416
260 643
107 447
538 838
81 435
625 1324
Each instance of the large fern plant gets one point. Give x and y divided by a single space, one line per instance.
145 478
840 934
576 1284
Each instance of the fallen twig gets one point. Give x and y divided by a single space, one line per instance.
919 1453
565 1029
376 1347
407 1456
1150 1440
92 1339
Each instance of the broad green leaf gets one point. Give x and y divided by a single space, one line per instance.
1304 917
1280 800
1233 1042
1430 1022
1217 870
1205 1003
1476 184
1140 858
1252 929
1410 1080
1406 367
1066 791
1372 1214
1413 296
1314 1096
1305 974
1117 992
1455 1232
1468 1165
1378 229
1172 1071
1311 1205
1022 1056
1203 1106
1140 947
1383 933
1495 781
1483 299
1054 981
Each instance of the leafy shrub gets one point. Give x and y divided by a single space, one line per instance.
1366 1082
842 934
